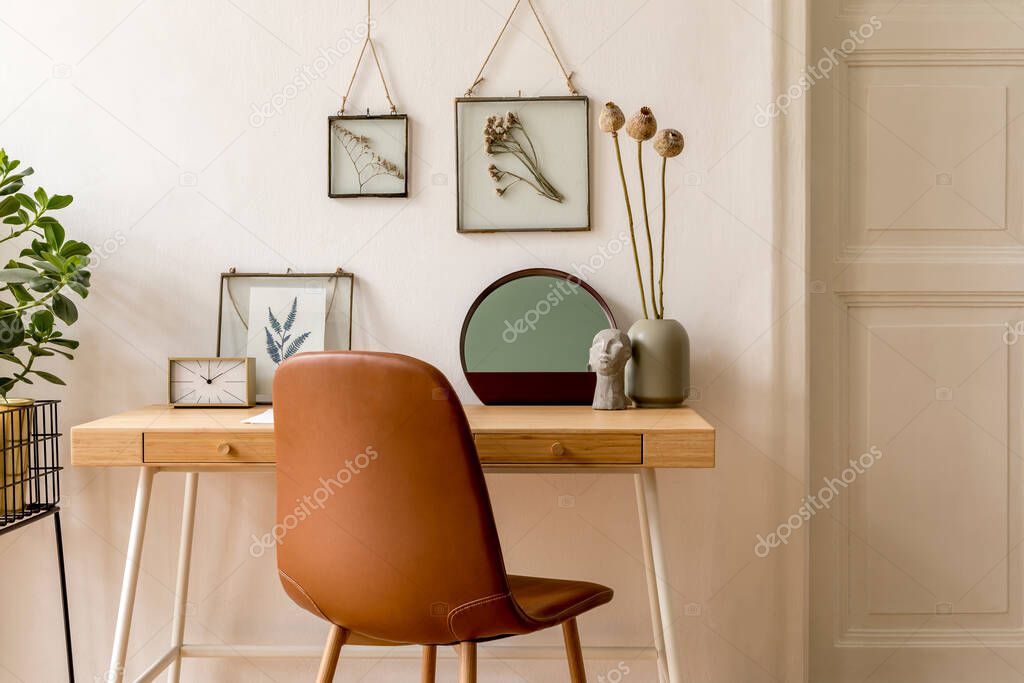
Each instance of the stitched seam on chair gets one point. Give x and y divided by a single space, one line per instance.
557 617
470 605
305 594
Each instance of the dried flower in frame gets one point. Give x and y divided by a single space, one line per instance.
507 135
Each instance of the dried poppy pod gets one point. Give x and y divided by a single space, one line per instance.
612 118
642 125
669 143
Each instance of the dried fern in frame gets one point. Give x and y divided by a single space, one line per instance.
233 323
358 160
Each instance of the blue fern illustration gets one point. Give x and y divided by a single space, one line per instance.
280 345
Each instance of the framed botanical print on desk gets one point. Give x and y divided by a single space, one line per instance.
273 316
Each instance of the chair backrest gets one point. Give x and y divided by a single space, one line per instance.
384 522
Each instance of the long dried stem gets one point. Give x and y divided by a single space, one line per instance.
647 221
529 162
520 179
533 150
632 230
661 271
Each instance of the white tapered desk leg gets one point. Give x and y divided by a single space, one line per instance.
656 571
131 576
188 524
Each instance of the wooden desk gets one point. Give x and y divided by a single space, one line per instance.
508 438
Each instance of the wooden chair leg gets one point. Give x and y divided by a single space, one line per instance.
329 663
573 651
429 668
467 663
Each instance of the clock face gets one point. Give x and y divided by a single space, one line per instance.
209 381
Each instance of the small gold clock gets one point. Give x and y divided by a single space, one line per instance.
211 382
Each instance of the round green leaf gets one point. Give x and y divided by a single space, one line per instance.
65 309
43 321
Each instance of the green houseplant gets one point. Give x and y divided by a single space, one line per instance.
33 298
34 287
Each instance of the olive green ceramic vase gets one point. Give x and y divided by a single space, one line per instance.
658 374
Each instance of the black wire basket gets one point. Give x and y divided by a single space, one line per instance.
29 460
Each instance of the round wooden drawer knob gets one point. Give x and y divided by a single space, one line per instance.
224 449
557 448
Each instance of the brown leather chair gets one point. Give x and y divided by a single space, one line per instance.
390 535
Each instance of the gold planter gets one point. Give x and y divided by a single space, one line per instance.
16 433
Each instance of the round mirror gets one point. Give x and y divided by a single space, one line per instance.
526 339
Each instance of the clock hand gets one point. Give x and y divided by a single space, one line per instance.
225 372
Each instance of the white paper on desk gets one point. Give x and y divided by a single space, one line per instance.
264 418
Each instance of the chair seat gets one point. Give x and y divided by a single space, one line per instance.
538 604
548 602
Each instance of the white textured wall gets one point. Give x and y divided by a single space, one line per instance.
142 110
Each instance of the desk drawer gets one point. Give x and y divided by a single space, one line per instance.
552 449
225 447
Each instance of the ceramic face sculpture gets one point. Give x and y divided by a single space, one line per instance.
608 355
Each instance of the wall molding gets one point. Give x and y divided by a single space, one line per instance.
841 179
936 57
894 10
958 635
930 298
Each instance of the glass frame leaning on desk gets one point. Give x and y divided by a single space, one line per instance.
233 334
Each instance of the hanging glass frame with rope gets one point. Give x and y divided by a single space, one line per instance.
368 156
523 163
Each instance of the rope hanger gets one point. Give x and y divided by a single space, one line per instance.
373 49
567 74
